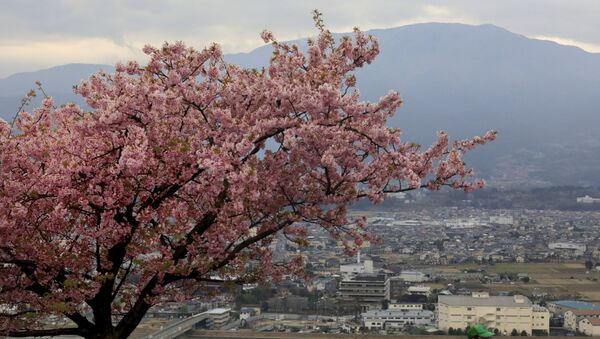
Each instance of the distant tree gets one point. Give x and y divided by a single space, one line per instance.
185 169
525 279
451 331
458 331
523 333
514 332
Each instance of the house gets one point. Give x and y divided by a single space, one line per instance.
573 317
590 326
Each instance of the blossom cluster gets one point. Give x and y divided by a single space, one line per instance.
188 166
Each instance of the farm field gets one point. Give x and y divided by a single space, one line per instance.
561 280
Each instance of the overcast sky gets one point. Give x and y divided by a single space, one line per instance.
39 34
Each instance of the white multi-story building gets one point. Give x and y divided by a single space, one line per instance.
365 290
218 317
419 290
504 313
350 270
395 319
399 306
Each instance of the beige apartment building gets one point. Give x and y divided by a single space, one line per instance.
501 313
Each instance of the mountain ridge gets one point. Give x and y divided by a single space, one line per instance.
467 79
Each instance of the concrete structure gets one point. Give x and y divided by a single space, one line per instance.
589 326
577 249
503 313
218 317
395 319
365 290
180 327
419 290
350 270
413 276
399 305
395 287
573 317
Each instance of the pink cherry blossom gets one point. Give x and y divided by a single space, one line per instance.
186 168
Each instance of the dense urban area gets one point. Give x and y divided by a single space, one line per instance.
437 268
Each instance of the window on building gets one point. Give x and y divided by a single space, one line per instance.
498 309
469 308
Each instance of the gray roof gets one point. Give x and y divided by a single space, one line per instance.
576 304
466 300
397 313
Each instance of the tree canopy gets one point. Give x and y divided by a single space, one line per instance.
185 168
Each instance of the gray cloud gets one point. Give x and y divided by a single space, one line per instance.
37 34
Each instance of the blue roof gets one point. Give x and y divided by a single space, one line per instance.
577 304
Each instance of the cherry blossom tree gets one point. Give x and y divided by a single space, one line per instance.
186 168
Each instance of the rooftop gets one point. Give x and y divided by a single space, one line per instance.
500 301
594 321
368 277
218 310
577 304
397 313
586 312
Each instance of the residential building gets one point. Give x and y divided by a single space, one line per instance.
590 326
395 319
573 317
249 310
503 313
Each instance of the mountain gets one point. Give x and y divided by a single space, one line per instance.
56 81
542 97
